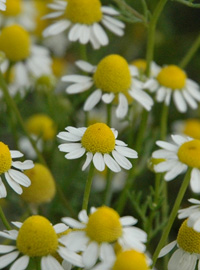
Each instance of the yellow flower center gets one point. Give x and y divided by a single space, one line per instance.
42 188
113 74
5 158
13 7
98 138
189 153
84 11
172 77
188 239
42 125
37 237
16 37
104 225
130 260
192 128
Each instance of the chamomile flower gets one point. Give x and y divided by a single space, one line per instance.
172 81
187 256
2 5
84 19
98 141
12 170
189 127
127 259
101 228
178 156
192 213
114 81
36 238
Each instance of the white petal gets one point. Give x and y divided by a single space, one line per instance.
3 192
178 139
79 87
17 224
165 166
99 162
112 27
173 173
75 154
122 108
126 151
15 154
53 15
114 21
85 66
120 143
19 177
60 227
195 180
6 249
111 163
75 241
85 34
128 221
164 154
66 265
75 32
56 28
73 223
194 92
107 253
142 97
90 255
190 100
16 187
179 101
167 146
11 234
92 100
100 34
82 216
76 78
93 39
121 160
68 136
167 249
76 131
109 10
21 263
50 263
195 201
70 256
69 147
26 165
8 258
108 98
89 157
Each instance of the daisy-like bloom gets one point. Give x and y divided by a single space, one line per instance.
178 156
115 81
36 238
171 81
189 127
98 141
84 19
187 256
101 228
2 5
192 213
12 170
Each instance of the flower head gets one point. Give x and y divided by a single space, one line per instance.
189 127
36 237
114 80
13 176
84 19
173 81
2 5
103 227
99 142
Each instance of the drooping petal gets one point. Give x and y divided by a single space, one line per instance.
19 177
122 108
92 100
3 192
111 163
122 160
98 161
8 258
90 255
60 227
21 263
70 256
50 263
89 157
15 186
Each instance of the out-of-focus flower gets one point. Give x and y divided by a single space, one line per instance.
2 5
189 127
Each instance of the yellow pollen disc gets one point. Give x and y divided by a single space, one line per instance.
98 138
192 128
154 161
140 64
189 153
13 7
42 188
42 125
104 225
113 74
172 77
188 239
5 158
37 237
17 37
84 11
130 260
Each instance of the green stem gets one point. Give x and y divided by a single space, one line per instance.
109 109
191 52
108 192
4 220
151 34
141 132
37 263
83 52
88 187
163 122
172 216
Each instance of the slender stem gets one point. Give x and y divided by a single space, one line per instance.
191 52
172 216
151 34
83 52
88 187
37 263
4 220
141 132
163 122
108 192
109 108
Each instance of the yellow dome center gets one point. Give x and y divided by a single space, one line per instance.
84 11
37 237
13 7
42 188
172 77
5 158
42 125
16 37
188 239
113 74
189 153
130 260
192 128
104 225
98 138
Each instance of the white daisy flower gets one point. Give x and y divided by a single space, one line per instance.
98 141
192 213
114 80
103 226
171 81
12 170
178 156
189 127
2 5
36 238
84 19
187 256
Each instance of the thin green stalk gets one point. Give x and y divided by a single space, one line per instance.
88 187
4 219
37 263
83 52
163 122
191 52
108 191
141 132
109 114
172 216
